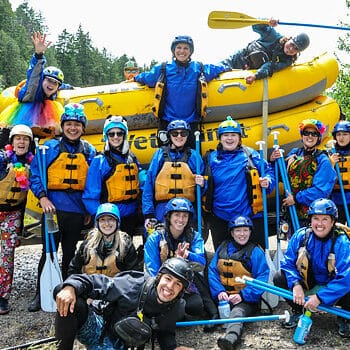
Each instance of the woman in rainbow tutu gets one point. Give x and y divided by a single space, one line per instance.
36 106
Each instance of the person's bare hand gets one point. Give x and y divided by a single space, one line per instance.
65 301
40 43
250 79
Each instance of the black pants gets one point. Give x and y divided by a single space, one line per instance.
67 327
70 226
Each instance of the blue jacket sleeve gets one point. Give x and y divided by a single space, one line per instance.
339 286
212 71
151 77
260 271
32 90
148 208
98 169
196 253
215 285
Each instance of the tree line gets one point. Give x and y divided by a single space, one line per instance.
85 65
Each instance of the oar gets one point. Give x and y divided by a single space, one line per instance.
270 298
279 254
287 294
284 316
198 188
49 277
341 185
235 20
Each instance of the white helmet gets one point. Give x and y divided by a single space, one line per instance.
21 129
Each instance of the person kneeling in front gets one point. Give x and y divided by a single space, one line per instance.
125 310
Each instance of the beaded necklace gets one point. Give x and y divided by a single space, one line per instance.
19 167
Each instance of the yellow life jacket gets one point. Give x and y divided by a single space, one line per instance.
344 167
301 173
123 183
68 171
175 179
253 185
10 191
235 265
106 267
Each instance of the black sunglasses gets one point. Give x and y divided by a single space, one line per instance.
115 133
308 133
175 133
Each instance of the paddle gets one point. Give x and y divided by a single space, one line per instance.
279 254
340 182
50 277
198 188
270 298
235 20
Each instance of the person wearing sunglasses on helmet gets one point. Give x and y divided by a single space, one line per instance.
131 70
268 54
310 172
341 134
316 264
115 175
178 238
67 162
171 173
182 77
106 249
154 303
235 257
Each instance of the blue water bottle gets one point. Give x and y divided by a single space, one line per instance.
303 328
224 309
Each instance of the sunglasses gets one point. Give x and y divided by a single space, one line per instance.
131 70
310 133
182 133
115 133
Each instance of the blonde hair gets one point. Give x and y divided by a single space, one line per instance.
95 238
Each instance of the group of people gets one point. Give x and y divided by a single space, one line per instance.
108 299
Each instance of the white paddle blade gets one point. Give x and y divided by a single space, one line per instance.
271 299
49 279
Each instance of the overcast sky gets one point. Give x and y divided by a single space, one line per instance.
145 28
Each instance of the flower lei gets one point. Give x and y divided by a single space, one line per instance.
19 168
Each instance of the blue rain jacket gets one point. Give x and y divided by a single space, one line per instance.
259 271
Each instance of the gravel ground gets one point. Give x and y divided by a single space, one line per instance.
21 326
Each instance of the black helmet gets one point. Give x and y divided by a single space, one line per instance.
179 268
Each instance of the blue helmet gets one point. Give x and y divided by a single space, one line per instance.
229 125
179 204
54 73
343 125
240 221
323 206
114 121
74 111
178 124
182 39
109 209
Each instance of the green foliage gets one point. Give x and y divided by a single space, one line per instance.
82 63
341 91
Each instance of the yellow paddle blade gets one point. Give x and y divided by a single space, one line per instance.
232 20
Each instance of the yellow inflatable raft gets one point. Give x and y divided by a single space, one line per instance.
143 142
228 95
